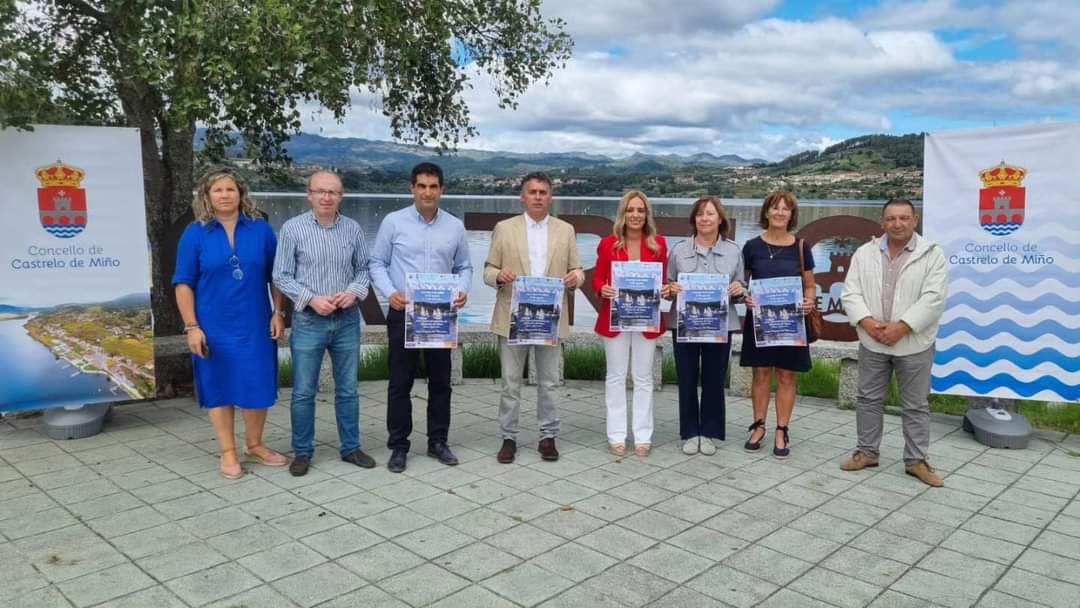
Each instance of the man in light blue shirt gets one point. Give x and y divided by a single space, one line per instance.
418 238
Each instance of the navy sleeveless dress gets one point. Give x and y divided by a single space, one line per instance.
784 262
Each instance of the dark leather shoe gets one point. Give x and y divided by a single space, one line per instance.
396 464
507 451
300 465
442 452
360 459
547 449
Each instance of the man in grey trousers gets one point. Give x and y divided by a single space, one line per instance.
894 295
531 244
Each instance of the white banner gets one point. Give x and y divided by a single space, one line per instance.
1004 205
75 322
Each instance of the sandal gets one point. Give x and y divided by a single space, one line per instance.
783 452
266 456
230 472
643 450
618 449
754 446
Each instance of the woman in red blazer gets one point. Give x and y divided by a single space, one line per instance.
635 238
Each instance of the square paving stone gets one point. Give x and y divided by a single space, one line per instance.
216 523
740 525
423 584
684 597
581 596
88 490
307 522
366 597
281 560
835 588
394 522
263 596
983 547
193 504
66 562
405 491
568 523
479 561
891 546
707 543
382 560
484 491
1060 544
166 490
127 522
962 567
105 585
442 506
335 542
246 541
1050 565
318 584
181 561
433 541
153 540
158 597
607 507
773 566
895 599
563 492
481 523
852 510
655 524
525 541
641 493
523 507
36 522
866 567
670 562
1001 529
939 589
617 541
785 598
687 508
473 597
809 547
732 587
919 529
630 586
359 505
574 562
213 584
527 584
823 525
327 491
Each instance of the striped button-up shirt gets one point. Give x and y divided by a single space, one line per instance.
408 243
317 260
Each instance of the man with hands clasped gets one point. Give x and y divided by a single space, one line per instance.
322 266
531 244
894 295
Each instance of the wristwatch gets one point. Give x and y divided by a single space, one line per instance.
280 312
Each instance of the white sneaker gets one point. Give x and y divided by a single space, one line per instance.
691 446
707 447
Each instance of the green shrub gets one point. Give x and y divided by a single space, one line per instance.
481 361
374 364
823 380
284 373
584 363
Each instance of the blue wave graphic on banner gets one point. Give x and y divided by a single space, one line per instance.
1008 326
1004 353
64 232
1027 279
1046 300
1001 229
1024 389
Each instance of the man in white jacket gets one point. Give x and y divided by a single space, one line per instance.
894 295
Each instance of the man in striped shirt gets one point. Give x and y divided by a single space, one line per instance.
322 266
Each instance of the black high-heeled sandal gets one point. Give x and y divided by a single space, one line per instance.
754 446
783 452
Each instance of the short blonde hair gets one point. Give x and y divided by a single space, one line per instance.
204 211
649 230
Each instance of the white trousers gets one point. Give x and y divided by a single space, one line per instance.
633 350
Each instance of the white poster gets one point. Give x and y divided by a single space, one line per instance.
75 324
1004 205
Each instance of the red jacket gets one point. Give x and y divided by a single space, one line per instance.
605 255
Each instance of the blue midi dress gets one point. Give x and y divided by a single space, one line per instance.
761 262
233 309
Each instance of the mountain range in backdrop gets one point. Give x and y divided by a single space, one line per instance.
865 167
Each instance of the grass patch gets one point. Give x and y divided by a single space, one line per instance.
374 364
481 361
284 373
1052 416
823 380
668 374
584 363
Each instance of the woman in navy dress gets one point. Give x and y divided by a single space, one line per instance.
775 254
223 290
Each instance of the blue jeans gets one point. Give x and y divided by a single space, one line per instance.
312 335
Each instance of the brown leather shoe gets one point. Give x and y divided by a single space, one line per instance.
507 451
858 461
547 449
925 473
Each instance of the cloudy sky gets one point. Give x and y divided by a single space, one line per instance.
768 78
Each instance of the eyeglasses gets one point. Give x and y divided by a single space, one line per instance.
237 272
327 193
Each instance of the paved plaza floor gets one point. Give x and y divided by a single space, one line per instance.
139 516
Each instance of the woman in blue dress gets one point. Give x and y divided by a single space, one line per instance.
224 290
775 254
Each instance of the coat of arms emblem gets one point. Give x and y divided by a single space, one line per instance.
1001 200
61 200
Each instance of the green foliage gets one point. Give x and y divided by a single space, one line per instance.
668 375
284 373
823 380
481 361
374 364
584 363
1063 417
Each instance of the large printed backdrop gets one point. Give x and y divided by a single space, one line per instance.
1005 205
75 323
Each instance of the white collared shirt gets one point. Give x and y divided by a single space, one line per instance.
538 244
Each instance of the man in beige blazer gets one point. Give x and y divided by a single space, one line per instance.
531 244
